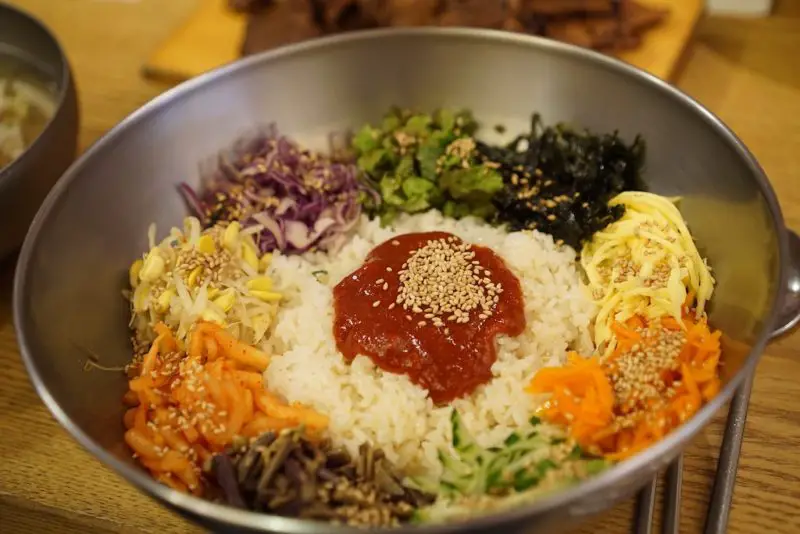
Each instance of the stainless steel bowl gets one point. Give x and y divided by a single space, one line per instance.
25 182
73 264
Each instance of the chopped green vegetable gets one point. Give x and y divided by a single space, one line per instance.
371 160
367 139
420 162
418 125
475 181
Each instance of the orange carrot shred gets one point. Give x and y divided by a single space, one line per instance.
583 399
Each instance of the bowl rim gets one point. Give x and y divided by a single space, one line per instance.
198 508
63 79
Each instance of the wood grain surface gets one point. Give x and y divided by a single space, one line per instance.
747 72
211 36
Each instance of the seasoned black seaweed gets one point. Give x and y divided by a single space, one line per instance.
559 180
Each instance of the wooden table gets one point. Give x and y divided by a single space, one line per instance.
747 72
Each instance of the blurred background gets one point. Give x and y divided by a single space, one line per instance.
146 46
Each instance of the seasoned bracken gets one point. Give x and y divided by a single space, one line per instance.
286 474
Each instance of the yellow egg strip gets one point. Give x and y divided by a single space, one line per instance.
643 264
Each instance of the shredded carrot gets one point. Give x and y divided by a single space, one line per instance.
626 335
670 323
187 406
582 397
582 394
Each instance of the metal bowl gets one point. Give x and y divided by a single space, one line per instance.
25 182
73 264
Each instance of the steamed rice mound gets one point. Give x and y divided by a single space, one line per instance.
365 403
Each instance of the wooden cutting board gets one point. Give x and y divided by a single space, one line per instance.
212 35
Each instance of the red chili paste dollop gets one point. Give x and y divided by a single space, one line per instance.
429 306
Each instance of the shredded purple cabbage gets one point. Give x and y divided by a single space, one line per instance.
301 199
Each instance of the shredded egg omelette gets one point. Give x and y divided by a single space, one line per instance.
645 264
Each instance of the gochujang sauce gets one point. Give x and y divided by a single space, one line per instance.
429 306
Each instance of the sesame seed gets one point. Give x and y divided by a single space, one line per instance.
637 375
443 279
376 304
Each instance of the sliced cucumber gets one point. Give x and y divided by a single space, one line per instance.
519 466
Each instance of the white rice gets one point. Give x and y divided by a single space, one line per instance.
366 404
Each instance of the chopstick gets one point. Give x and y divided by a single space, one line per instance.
671 520
724 481
719 508
645 506
721 497
646 502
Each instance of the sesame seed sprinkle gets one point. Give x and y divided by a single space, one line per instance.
640 375
442 280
